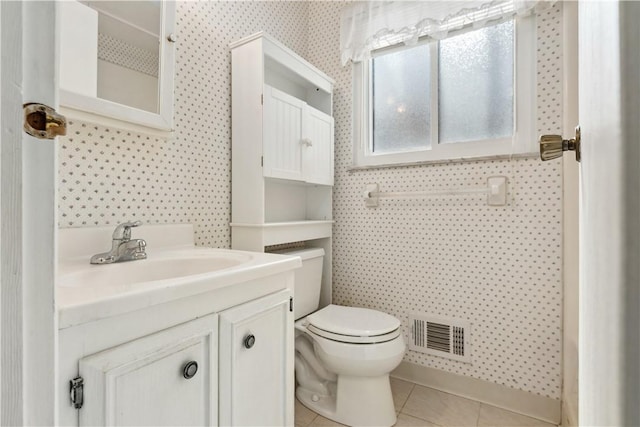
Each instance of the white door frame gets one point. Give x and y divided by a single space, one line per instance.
610 213
28 185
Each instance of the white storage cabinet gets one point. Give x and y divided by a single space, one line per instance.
298 139
282 150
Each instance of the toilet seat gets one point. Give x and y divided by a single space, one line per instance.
353 325
349 339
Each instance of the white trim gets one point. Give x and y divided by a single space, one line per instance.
445 161
29 207
569 415
435 93
103 120
519 401
40 218
523 141
570 219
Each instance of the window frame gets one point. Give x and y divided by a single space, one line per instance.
523 141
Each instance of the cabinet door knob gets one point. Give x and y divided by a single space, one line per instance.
190 369
249 341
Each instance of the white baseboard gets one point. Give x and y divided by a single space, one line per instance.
522 402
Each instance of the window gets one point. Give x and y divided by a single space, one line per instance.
470 95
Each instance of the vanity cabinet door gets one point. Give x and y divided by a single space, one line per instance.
283 116
168 378
256 363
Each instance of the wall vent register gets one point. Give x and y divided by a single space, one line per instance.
442 337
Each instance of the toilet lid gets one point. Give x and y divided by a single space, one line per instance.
353 321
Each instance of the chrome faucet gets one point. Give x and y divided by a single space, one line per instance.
122 247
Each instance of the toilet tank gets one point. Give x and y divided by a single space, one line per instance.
307 280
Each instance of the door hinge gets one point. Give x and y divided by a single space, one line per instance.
261 99
261 160
43 122
76 392
291 304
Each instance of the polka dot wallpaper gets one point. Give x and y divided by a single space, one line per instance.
499 268
126 55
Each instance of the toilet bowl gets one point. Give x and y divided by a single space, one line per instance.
346 376
343 354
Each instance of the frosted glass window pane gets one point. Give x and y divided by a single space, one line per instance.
476 85
401 100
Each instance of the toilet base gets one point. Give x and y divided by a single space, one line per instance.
363 401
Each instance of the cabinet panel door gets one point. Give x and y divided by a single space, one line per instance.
283 115
256 381
142 382
318 152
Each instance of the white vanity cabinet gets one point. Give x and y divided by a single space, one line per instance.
163 379
136 367
255 339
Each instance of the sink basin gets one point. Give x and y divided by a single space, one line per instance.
151 269
175 270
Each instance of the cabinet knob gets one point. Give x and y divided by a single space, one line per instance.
249 341
190 369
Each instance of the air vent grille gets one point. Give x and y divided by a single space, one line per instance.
438 336
458 340
441 337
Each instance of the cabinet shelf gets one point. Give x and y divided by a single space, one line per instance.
275 233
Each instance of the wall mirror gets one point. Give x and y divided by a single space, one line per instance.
117 60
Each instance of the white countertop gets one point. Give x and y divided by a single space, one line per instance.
80 300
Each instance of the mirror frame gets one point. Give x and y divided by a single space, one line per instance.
77 105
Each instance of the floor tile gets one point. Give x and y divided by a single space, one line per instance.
400 390
441 408
324 422
491 416
303 415
405 420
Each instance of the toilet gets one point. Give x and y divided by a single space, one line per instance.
343 354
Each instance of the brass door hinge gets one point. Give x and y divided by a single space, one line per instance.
43 122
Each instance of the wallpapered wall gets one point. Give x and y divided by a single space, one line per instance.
499 268
108 175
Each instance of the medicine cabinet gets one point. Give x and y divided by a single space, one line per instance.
117 61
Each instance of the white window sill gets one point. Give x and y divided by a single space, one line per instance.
355 168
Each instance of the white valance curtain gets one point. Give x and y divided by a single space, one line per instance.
369 25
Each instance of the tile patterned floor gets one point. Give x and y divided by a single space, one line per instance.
426 407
